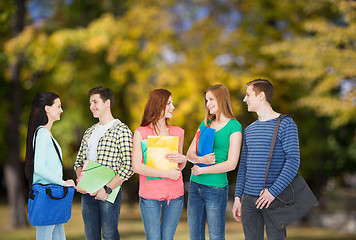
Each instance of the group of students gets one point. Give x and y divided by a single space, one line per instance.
110 143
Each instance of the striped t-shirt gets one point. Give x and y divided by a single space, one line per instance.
285 162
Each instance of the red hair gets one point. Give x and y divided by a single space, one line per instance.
155 107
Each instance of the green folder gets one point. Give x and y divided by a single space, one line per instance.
144 153
94 176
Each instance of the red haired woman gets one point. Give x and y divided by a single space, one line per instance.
161 200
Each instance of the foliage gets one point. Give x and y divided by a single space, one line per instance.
121 54
5 33
322 62
306 48
319 68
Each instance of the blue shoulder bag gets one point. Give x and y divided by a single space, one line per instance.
49 204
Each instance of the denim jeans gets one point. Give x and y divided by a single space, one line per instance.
101 217
159 219
206 204
50 232
254 220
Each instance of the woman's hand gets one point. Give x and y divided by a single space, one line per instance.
207 159
69 183
196 170
174 173
176 157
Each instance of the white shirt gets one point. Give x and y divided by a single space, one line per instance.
98 132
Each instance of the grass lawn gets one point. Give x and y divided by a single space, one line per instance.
131 228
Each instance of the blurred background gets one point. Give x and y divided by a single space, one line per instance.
306 48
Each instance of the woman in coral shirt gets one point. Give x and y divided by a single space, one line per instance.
161 199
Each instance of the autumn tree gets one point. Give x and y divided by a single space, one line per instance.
186 46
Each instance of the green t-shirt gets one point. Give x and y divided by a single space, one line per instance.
221 150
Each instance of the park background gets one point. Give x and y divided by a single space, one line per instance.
306 48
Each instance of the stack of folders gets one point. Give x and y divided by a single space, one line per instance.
154 151
94 176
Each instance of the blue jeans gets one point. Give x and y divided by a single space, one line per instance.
206 203
159 219
50 232
101 217
254 220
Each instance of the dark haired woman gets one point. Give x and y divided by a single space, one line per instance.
43 165
161 200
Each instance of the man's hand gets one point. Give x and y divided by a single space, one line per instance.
236 209
80 190
100 195
265 199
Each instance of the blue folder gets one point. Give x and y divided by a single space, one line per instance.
205 143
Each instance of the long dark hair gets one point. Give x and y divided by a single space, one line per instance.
38 117
156 104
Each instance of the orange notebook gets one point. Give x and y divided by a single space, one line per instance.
157 148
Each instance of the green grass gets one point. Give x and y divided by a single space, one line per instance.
131 228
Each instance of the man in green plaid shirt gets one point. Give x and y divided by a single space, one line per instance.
109 143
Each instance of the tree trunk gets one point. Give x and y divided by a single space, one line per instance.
14 173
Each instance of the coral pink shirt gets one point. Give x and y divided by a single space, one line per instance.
161 189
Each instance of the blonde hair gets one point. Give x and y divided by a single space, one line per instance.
222 95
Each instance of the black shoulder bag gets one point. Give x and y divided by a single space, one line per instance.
295 201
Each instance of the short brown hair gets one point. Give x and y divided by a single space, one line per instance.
105 94
222 95
262 85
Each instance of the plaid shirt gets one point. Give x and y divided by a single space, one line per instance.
114 149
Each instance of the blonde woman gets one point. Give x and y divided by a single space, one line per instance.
208 189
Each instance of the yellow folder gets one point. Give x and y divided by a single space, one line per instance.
157 148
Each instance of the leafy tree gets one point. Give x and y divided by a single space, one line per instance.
13 166
319 68
187 46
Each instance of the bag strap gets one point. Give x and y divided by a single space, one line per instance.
49 193
57 150
34 148
54 144
273 142
34 145
31 195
